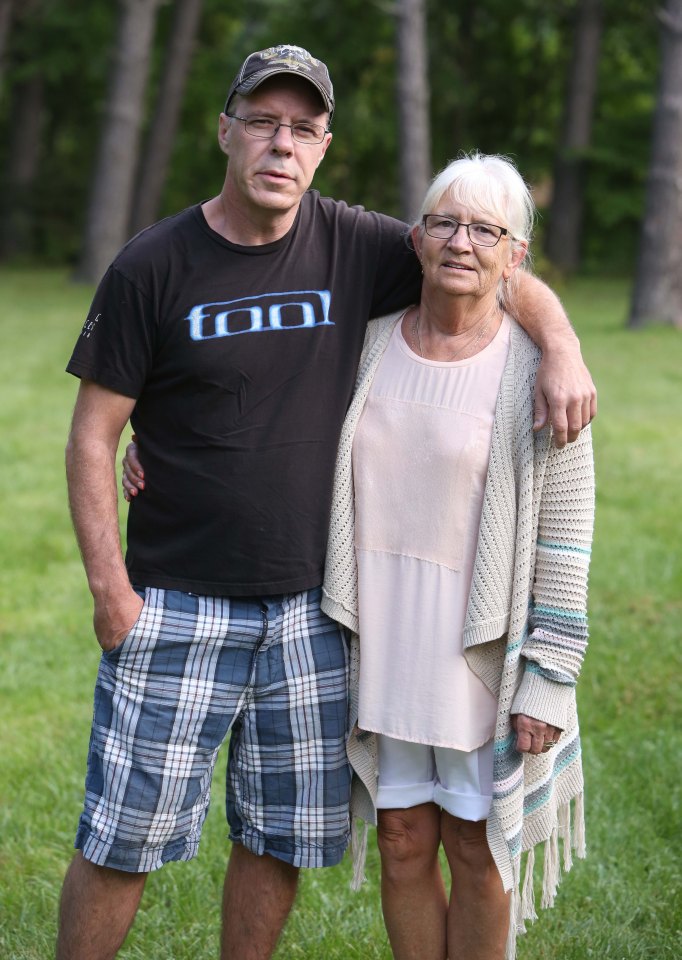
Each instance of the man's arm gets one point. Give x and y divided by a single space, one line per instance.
98 420
564 392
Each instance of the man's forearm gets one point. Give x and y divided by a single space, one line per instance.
539 311
90 471
98 420
565 395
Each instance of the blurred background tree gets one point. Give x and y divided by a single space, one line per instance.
563 240
5 26
108 214
567 89
165 114
413 105
657 295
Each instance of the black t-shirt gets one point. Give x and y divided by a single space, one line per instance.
242 362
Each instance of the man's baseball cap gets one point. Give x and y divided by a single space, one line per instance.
283 58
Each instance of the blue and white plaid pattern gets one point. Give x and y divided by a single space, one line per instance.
274 672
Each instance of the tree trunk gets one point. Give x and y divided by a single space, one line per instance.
110 200
159 147
413 106
5 26
564 232
463 70
26 124
657 296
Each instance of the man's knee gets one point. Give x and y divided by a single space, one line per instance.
249 867
85 873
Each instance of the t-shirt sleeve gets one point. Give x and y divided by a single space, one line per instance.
398 277
115 346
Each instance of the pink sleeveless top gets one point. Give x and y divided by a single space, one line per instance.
420 459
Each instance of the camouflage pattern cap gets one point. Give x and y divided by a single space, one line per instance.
284 58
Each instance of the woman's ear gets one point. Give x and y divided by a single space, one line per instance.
519 249
416 236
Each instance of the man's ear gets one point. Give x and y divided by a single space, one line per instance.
325 146
224 129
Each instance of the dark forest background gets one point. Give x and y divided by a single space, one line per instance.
108 116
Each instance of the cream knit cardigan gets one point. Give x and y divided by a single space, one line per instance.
525 632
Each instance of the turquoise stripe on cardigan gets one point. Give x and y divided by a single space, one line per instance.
563 547
558 612
545 795
556 675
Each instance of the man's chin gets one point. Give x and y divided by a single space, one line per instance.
277 200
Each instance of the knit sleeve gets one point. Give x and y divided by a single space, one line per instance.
557 624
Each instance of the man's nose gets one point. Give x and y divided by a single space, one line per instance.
283 140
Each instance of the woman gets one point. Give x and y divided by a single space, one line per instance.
458 554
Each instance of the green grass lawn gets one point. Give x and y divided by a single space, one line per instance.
622 903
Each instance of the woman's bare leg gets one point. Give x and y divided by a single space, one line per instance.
412 890
478 916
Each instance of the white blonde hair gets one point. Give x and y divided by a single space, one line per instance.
491 185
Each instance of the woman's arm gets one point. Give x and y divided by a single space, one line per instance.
557 628
564 392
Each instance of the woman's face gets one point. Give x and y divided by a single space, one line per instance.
459 267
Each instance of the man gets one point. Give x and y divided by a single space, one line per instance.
229 335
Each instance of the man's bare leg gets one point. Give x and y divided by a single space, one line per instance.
257 899
98 906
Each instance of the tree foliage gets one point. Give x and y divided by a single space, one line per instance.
497 75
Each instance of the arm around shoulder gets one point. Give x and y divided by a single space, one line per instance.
565 395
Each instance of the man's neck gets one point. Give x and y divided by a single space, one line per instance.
247 228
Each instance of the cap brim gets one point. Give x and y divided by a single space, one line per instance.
249 85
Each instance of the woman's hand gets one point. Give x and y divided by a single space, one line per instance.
533 736
133 474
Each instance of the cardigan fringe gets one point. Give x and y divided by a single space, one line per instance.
522 905
358 848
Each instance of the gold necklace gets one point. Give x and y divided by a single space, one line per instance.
468 345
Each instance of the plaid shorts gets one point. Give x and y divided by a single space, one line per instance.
273 671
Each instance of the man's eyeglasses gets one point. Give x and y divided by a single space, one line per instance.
482 234
266 128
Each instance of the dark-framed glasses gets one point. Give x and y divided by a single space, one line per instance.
482 234
266 128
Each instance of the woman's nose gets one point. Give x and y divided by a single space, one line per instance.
460 237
